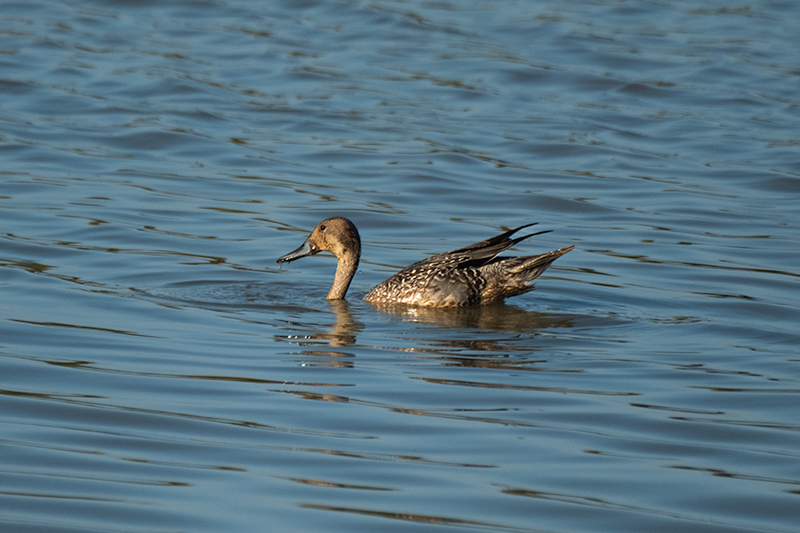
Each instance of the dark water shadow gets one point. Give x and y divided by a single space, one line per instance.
306 319
342 332
501 317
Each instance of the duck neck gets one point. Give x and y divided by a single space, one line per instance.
345 270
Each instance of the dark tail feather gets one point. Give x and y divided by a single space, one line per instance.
494 241
491 247
519 239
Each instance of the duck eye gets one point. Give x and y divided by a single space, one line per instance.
322 227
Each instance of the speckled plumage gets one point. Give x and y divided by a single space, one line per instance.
472 275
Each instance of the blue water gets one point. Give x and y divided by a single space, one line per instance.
159 372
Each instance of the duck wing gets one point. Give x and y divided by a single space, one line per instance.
479 253
461 277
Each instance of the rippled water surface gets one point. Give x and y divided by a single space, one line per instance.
159 372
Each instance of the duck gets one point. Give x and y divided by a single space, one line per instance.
470 276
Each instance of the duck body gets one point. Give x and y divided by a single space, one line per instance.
473 275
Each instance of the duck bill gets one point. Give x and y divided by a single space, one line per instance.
304 250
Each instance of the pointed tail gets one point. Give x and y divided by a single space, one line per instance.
531 267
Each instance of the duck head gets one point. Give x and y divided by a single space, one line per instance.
340 237
336 235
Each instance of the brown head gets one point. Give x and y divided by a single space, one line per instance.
340 237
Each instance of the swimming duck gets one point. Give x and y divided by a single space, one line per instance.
473 275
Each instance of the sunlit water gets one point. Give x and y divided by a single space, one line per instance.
160 373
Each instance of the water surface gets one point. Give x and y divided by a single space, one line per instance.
159 372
